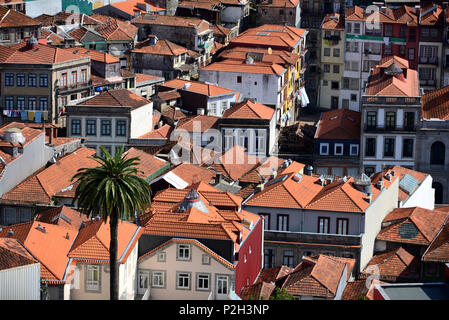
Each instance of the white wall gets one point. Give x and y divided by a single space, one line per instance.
423 197
21 283
141 120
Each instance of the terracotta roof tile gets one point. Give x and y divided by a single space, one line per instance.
130 6
11 18
257 291
394 265
280 3
229 65
50 247
116 98
94 55
281 57
198 122
63 216
161 133
161 47
339 124
274 274
438 250
148 164
13 254
157 19
249 110
93 241
435 104
173 113
141 77
412 225
198 87
333 21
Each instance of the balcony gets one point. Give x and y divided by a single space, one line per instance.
74 87
428 60
396 101
383 129
313 238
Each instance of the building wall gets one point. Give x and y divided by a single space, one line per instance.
279 15
266 91
21 283
35 155
384 203
423 197
194 266
141 120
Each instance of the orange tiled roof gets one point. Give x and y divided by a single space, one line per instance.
173 113
274 274
44 184
191 173
201 122
157 19
238 66
41 54
63 216
438 250
390 266
161 133
93 241
13 254
14 19
281 57
339 124
116 98
130 6
356 290
221 30
249 110
435 104
198 87
382 84
280 3
208 5
317 277
50 247
235 163
431 15
412 225
94 55
333 21
161 47
116 30
141 77
257 291
148 164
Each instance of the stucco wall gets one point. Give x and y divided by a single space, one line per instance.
141 120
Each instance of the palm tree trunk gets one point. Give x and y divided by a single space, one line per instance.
113 280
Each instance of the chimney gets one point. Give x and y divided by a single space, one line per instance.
31 43
51 135
10 233
67 236
218 177
380 185
308 170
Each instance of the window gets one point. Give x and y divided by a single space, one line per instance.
369 171
327 68
76 126
266 217
409 120
92 278
239 79
370 147
282 222
323 225
120 128
183 280
372 48
371 119
336 52
74 78
336 68
288 258
338 149
325 83
161 256
345 103
354 96
32 80
20 103
352 46
224 105
105 127
390 120
143 280
213 108
388 30
32 103
43 80
411 53
9 79
403 32
229 139
222 284
437 153
327 52
356 28
205 259
183 252
203 281
348 27
64 80
84 76
411 34
389 147
5 34
43 103
407 148
91 127
402 50
335 85
368 64
20 80
158 279
342 226
354 150
9 103
268 257
324 149
387 49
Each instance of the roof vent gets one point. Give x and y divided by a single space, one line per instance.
32 43
13 135
10 233
308 170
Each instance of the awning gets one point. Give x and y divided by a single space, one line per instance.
304 98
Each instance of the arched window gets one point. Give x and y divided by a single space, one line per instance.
438 192
437 153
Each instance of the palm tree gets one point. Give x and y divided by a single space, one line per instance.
112 190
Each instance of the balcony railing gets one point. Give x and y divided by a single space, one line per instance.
368 100
75 86
317 238
369 128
